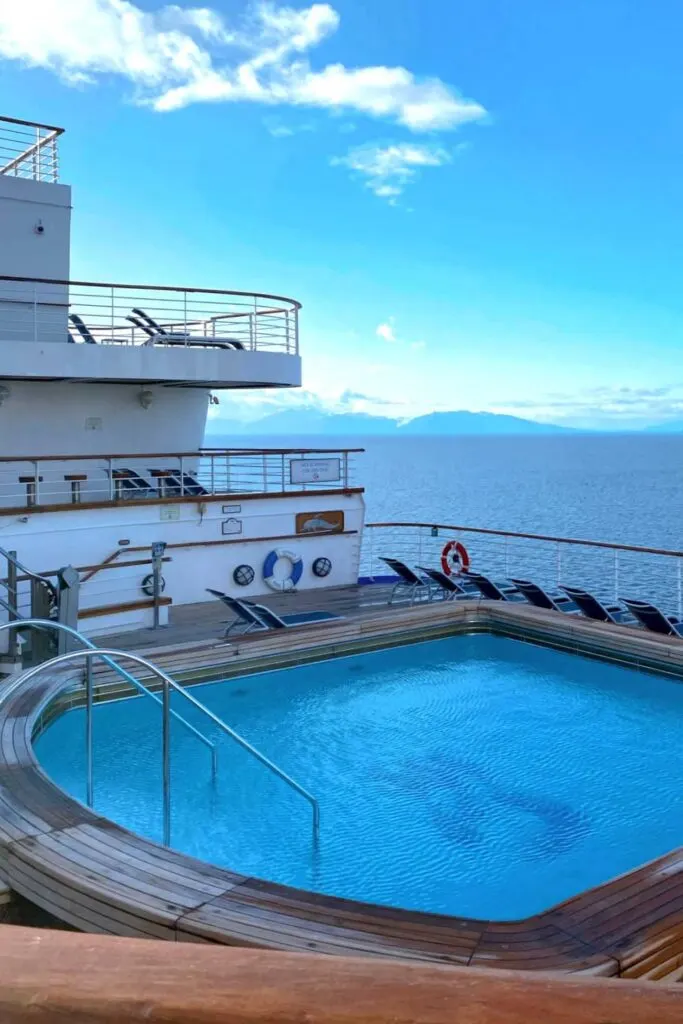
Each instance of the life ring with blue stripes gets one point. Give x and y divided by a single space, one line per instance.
289 582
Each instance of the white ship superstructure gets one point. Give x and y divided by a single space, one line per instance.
104 392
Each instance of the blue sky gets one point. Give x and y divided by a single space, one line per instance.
479 204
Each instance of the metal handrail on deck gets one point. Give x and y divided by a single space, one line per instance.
89 645
168 684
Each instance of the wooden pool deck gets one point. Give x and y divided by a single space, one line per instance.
98 877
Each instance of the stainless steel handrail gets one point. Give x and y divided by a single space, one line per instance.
169 684
49 624
28 572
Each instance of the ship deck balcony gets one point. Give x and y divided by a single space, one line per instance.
61 482
60 330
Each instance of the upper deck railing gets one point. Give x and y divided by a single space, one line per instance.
29 149
94 479
99 313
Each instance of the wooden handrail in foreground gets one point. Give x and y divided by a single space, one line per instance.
50 977
532 536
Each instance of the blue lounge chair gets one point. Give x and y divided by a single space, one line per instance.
253 616
87 335
651 617
541 599
450 588
407 580
593 608
490 590
183 337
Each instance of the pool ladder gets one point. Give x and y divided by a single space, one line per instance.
168 685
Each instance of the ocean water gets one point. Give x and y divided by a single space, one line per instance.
620 488
461 776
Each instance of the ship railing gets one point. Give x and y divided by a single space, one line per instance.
81 479
609 570
29 149
154 316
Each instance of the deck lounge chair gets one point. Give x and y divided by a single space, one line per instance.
541 599
593 608
247 617
450 588
87 335
257 616
490 590
651 617
166 337
407 580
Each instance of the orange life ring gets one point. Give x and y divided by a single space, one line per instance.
454 558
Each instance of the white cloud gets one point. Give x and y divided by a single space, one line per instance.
284 131
388 169
176 55
386 331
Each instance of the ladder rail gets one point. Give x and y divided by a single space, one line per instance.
168 685
89 645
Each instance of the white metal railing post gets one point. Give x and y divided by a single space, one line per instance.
616 576
296 332
559 563
88 731
110 471
345 465
185 331
419 545
166 759
111 299
213 473
255 332
264 467
506 557
283 482
679 583
287 330
182 476
36 492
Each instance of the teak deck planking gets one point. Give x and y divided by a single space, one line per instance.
98 877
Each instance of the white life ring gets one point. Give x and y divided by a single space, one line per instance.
289 582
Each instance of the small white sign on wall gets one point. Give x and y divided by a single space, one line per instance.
314 471
231 526
169 513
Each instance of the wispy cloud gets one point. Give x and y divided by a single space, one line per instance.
388 169
174 56
386 331
603 406
285 131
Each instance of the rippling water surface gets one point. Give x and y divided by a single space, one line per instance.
474 775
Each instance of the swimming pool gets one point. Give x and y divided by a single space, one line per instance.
476 775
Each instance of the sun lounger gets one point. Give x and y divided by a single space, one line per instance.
651 617
407 580
253 616
541 599
490 590
166 337
450 588
593 608
87 335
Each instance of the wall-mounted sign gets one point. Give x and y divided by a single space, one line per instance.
231 510
231 526
314 471
319 522
93 423
169 513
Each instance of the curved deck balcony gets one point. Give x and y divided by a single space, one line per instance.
120 333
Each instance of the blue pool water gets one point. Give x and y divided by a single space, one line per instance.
476 775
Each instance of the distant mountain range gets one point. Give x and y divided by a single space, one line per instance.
314 421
